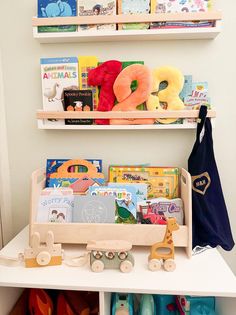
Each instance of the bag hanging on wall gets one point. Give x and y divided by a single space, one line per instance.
211 226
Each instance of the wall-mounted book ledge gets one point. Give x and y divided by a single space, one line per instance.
116 35
56 120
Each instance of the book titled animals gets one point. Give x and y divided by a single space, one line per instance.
57 8
78 100
58 75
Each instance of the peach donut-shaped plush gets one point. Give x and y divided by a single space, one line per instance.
170 95
128 100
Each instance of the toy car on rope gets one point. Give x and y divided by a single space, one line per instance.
110 255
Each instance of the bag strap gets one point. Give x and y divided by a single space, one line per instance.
201 121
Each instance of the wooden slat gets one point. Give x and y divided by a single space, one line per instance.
139 18
124 114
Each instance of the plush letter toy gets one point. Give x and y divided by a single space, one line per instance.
129 101
105 76
168 96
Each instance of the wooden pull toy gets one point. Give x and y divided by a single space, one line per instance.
40 255
110 255
164 251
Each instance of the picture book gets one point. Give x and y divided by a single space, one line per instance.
176 24
126 201
140 189
161 181
55 208
53 164
176 6
87 63
57 8
57 75
134 7
96 7
78 100
156 211
187 89
94 209
200 89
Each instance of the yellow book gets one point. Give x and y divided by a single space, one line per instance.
87 63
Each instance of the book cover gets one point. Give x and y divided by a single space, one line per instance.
55 208
53 164
134 7
96 7
156 211
177 6
161 181
94 209
126 201
57 8
140 190
78 100
57 75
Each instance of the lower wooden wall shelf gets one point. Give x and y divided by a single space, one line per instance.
137 234
44 116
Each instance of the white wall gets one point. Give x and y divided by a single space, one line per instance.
214 61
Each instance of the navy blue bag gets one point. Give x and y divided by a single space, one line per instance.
211 226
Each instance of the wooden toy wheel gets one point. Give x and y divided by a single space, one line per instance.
126 266
43 258
169 265
154 264
97 266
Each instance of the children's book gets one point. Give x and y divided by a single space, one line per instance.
55 208
57 8
156 211
176 6
134 7
126 201
87 63
96 7
58 75
94 209
80 100
53 164
187 89
161 181
140 189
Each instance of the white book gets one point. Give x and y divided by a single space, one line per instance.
57 74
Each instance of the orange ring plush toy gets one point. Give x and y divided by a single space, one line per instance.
129 101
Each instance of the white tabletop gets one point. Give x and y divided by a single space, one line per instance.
204 274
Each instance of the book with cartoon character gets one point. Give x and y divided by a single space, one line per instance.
125 198
178 6
96 7
134 7
57 8
57 75
78 100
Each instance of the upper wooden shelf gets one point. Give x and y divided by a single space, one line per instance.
43 116
118 35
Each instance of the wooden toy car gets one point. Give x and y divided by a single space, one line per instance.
164 251
110 255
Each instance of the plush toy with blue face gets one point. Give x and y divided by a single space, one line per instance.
55 9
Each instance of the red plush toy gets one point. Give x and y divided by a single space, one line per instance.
105 76
40 303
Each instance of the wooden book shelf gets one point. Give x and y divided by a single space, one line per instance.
117 35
